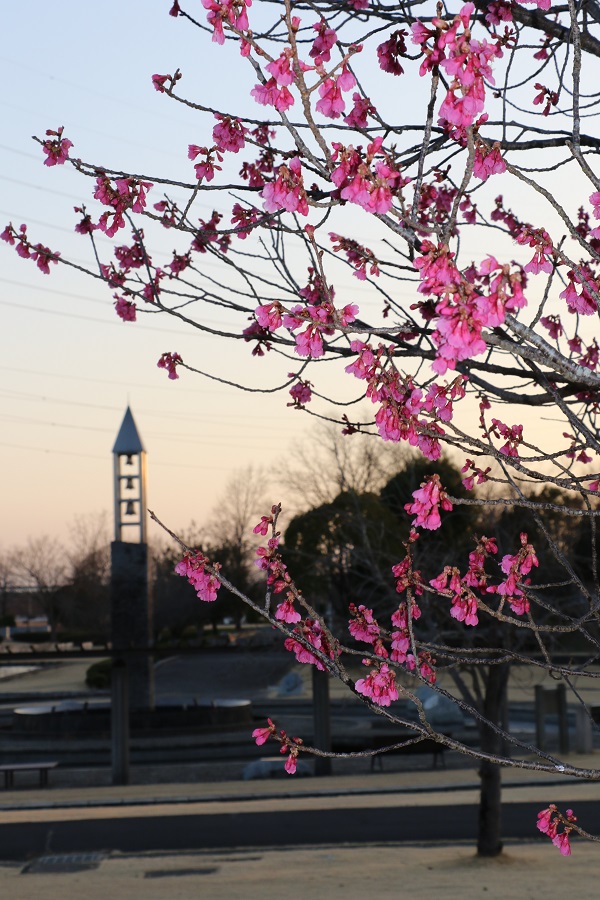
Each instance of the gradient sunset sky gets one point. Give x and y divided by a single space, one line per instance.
69 366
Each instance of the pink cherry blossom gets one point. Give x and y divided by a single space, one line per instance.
357 117
488 161
301 394
323 43
170 361
379 685
262 735
311 631
56 147
192 567
426 503
287 190
271 94
206 168
229 133
389 52
547 820
126 310
270 315
562 842
263 525
362 626
545 95
285 612
232 13
291 761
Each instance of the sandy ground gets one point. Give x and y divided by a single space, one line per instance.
523 872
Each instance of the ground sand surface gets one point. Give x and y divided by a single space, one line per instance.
524 872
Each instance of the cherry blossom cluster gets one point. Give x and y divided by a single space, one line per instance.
488 161
274 91
125 309
318 319
515 567
170 361
209 163
270 561
465 60
379 685
364 627
358 256
232 13
581 301
133 257
193 567
426 504
406 576
278 578
56 147
370 180
584 227
401 620
164 83
255 173
244 219
435 204
357 117
572 453
541 241
467 303
300 392
545 95
312 632
460 589
511 434
391 51
291 746
322 321
402 402
506 216
40 255
476 472
208 233
124 195
464 602
550 820
286 191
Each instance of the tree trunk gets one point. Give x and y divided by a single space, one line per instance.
489 838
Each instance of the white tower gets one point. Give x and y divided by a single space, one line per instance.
130 483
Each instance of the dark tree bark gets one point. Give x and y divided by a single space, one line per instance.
489 838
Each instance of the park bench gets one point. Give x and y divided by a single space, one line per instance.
43 768
378 740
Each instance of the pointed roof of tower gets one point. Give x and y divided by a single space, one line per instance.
128 440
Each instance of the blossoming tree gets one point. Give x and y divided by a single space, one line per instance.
448 134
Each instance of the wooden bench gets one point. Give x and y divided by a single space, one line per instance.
9 770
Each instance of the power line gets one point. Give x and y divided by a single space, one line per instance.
171 436
21 395
119 324
46 290
105 458
104 381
